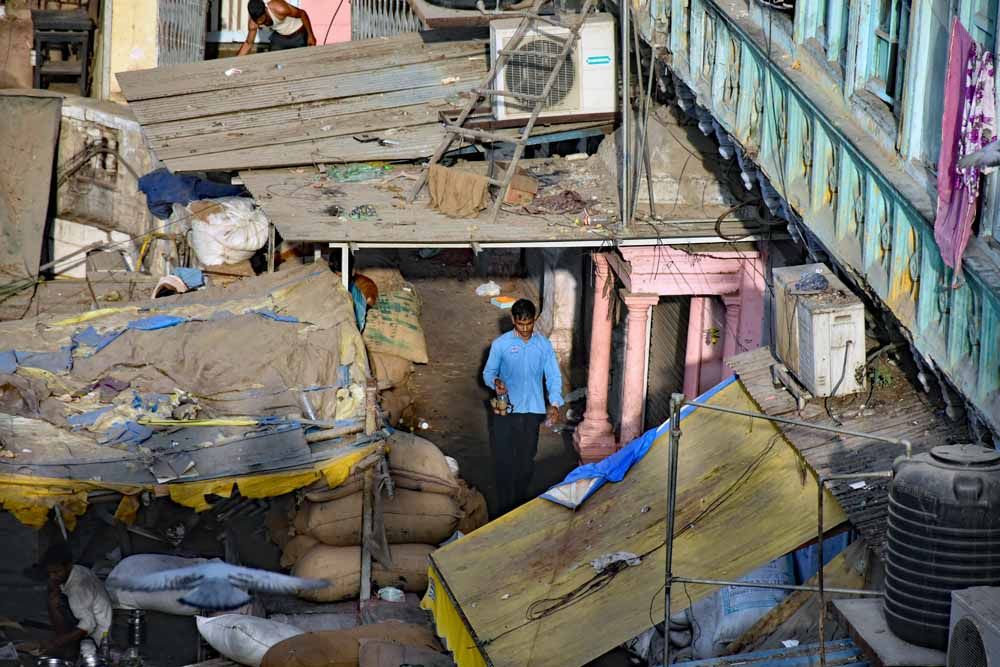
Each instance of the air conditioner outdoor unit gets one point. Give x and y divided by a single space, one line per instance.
974 638
585 84
819 335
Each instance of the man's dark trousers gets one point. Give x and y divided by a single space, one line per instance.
515 441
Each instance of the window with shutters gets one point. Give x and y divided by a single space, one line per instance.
887 57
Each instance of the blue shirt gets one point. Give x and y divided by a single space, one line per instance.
521 365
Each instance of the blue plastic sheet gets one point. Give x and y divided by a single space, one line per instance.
156 322
271 315
163 190
128 433
86 419
192 277
360 306
89 337
807 562
584 481
54 362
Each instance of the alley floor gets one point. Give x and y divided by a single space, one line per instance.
448 391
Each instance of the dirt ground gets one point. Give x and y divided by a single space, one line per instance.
449 392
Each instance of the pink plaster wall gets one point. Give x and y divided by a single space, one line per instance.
322 11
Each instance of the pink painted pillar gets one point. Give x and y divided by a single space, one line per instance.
732 345
636 353
692 351
752 286
594 439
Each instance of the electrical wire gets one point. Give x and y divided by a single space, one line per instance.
329 27
843 374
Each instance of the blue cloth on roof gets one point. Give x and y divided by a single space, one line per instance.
129 433
87 418
8 362
156 322
271 315
54 362
89 337
360 306
191 277
163 190
522 365
584 481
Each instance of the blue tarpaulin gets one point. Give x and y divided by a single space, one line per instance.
156 322
581 483
163 190
54 362
191 277
271 315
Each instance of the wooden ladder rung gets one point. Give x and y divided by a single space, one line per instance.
493 92
481 135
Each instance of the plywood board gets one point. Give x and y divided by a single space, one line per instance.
541 551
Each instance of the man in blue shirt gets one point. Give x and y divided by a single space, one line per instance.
518 362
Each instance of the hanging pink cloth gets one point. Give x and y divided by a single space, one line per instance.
968 125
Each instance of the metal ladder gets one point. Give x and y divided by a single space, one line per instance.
488 88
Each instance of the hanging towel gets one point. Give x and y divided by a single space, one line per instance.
969 123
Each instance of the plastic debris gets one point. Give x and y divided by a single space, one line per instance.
355 173
789 643
812 283
233 71
503 302
391 594
607 560
488 289
362 212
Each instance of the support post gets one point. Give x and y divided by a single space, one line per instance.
636 352
367 527
676 401
692 354
593 438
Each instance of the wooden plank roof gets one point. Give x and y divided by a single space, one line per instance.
303 106
304 205
899 410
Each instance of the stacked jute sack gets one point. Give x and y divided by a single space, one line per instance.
395 340
430 503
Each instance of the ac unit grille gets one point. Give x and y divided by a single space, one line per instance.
965 648
529 68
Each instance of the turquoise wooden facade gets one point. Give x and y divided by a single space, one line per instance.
839 104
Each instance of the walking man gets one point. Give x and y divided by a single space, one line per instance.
291 25
519 361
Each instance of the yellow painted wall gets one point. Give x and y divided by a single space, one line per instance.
133 39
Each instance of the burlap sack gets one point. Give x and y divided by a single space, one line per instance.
419 464
377 653
341 566
394 403
321 493
389 370
409 517
393 326
472 503
409 568
385 278
296 548
341 648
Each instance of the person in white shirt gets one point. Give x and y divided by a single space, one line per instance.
290 26
88 602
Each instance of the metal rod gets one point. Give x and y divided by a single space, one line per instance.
816 427
626 190
784 587
674 441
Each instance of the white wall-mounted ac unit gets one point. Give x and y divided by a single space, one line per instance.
585 85
820 337
974 638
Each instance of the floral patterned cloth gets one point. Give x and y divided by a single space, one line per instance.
969 123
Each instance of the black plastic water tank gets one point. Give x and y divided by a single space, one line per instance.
944 535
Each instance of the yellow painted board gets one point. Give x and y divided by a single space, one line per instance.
542 551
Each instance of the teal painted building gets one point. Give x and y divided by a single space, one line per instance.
838 103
